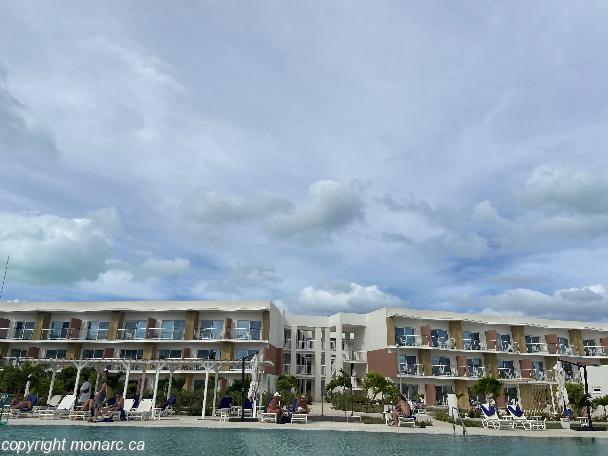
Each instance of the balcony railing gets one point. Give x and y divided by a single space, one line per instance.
473 344
304 370
595 350
23 334
246 334
411 369
442 342
567 350
508 373
99 334
537 347
210 334
306 344
60 334
441 370
165 334
354 356
409 340
132 334
476 371
504 346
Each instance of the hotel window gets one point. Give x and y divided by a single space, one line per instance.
471 340
589 347
212 353
134 329
211 329
169 354
172 329
407 364
97 330
538 370
505 343
510 393
533 343
405 336
564 345
58 330
439 337
249 329
92 354
55 354
131 354
241 353
475 367
24 330
506 369
441 365
19 353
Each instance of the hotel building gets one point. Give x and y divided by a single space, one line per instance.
426 353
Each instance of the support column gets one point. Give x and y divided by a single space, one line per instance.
159 366
205 392
126 386
143 382
339 359
170 382
53 375
215 392
79 367
317 346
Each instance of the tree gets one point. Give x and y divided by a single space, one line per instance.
487 386
378 384
343 381
601 401
576 395
285 383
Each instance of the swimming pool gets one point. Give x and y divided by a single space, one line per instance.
200 441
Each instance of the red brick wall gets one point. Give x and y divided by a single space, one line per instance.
382 361
275 355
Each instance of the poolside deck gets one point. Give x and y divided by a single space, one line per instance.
438 427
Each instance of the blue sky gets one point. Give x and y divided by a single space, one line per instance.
331 156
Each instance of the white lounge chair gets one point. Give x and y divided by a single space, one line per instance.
143 410
61 411
299 417
491 419
520 420
267 417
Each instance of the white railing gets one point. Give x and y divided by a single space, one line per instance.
23 334
99 334
354 356
306 344
304 370
59 334
132 334
476 371
411 369
246 334
442 342
567 350
440 370
595 350
537 347
210 334
409 340
503 346
473 344
508 373
165 334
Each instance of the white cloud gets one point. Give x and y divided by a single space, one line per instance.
46 248
331 207
350 297
118 283
255 280
588 303
154 267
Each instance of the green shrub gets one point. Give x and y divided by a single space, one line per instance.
423 423
372 420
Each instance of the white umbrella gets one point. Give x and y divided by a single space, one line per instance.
561 393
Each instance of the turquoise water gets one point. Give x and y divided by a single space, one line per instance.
247 442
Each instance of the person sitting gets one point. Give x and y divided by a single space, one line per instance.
100 396
18 398
24 404
402 408
85 393
302 405
114 404
275 406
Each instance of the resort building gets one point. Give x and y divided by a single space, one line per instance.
427 353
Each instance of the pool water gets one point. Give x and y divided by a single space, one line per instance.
201 441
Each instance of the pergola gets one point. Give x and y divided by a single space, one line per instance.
185 366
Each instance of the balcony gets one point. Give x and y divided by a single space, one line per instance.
304 370
99 334
476 371
132 334
246 334
473 345
508 373
411 369
165 334
595 350
306 344
503 346
60 334
354 356
442 370
567 350
537 347
23 334
210 334
409 340
443 342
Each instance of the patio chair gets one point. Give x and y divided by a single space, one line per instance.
491 420
520 419
61 411
143 410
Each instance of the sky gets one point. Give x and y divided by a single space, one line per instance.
331 156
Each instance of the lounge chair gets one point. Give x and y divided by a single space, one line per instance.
143 411
407 421
520 420
54 401
61 411
491 420
299 417
268 417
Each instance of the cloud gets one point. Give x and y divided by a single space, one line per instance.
255 280
22 135
121 284
214 209
588 303
154 267
330 208
48 249
349 297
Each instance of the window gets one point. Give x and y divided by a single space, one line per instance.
505 343
538 370
533 343
58 330
241 353
510 393
212 353
471 340
589 347
134 329
18 353
24 330
441 393
131 354
407 364
92 354
439 337
405 336
211 329
170 354
249 329
55 354
441 365
172 329
506 369
563 345
475 367
97 330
